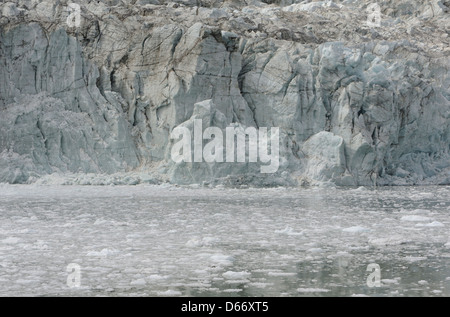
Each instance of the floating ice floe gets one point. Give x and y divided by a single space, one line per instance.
360 295
422 282
281 273
169 293
201 242
236 275
232 290
315 250
103 253
156 277
138 282
389 281
312 290
11 240
431 224
222 259
289 231
355 229
415 218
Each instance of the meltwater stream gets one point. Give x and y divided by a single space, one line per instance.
172 241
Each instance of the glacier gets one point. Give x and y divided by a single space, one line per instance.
96 103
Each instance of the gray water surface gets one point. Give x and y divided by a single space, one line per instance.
172 241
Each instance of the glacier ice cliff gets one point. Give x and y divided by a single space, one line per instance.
355 104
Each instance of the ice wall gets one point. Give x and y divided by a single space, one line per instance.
356 105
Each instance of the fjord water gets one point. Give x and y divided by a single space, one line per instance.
173 241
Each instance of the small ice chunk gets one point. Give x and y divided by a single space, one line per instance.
221 259
195 242
169 293
289 231
315 250
415 258
232 290
281 273
355 229
11 240
360 295
100 222
260 284
422 282
312 290
389 281
415 218
244 281
436 291
236 275
103 252
156 277
24 281
431 224
138 282
391 240
205 241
